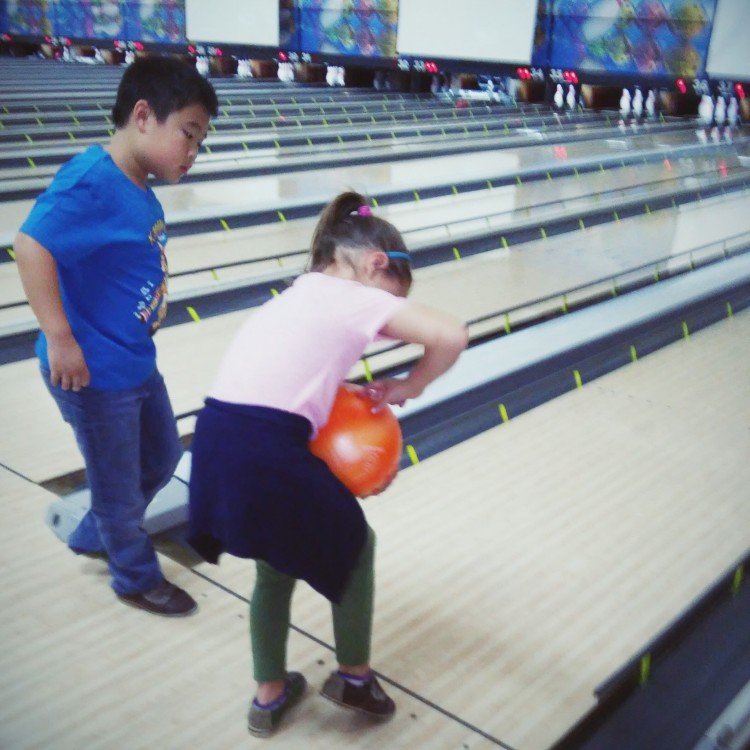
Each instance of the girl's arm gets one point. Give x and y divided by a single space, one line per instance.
38 272
443 337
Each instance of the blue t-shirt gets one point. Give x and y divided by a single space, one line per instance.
107 236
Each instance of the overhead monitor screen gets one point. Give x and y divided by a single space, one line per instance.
496 31
729 52
247 22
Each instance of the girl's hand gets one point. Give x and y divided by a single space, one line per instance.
390 391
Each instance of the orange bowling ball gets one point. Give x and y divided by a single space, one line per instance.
361 447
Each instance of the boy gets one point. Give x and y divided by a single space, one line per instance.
92 263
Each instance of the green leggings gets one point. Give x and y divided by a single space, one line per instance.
270 610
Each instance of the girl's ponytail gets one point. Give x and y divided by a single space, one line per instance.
324 239
348 222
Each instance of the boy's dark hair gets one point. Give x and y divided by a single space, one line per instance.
167 84
340 225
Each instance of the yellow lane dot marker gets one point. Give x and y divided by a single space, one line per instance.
737 580
645 669
503 413
194 315
412 454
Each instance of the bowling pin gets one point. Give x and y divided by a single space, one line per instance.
625 104
705 111
638 105
711 106
571 98
651 104
720 113
733 111
559 98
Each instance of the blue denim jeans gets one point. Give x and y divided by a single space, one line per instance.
131 448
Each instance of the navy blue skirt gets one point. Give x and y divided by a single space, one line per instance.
256 491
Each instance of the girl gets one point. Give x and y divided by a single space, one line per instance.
256 490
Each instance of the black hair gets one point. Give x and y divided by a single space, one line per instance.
347 222
167 84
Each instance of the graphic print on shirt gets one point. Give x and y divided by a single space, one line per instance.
154 298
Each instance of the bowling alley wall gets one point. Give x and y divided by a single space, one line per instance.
607 38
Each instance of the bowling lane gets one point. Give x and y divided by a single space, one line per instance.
229 196
472 288
421 221
267 149
237 194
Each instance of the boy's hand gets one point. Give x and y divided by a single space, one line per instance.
68 368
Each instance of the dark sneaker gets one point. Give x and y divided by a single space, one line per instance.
165 599
367 699
264 720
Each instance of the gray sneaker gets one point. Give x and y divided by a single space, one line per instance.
263 721
369 699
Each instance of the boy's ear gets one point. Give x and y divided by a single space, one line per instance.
141 112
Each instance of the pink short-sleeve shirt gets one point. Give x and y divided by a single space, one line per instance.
295 350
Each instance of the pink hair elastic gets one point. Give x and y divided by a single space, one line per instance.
364 211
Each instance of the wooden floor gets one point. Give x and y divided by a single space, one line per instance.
515 573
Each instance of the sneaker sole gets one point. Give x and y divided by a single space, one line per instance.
136 605
357 710
268 732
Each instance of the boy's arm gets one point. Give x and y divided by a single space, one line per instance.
443 337
39 277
